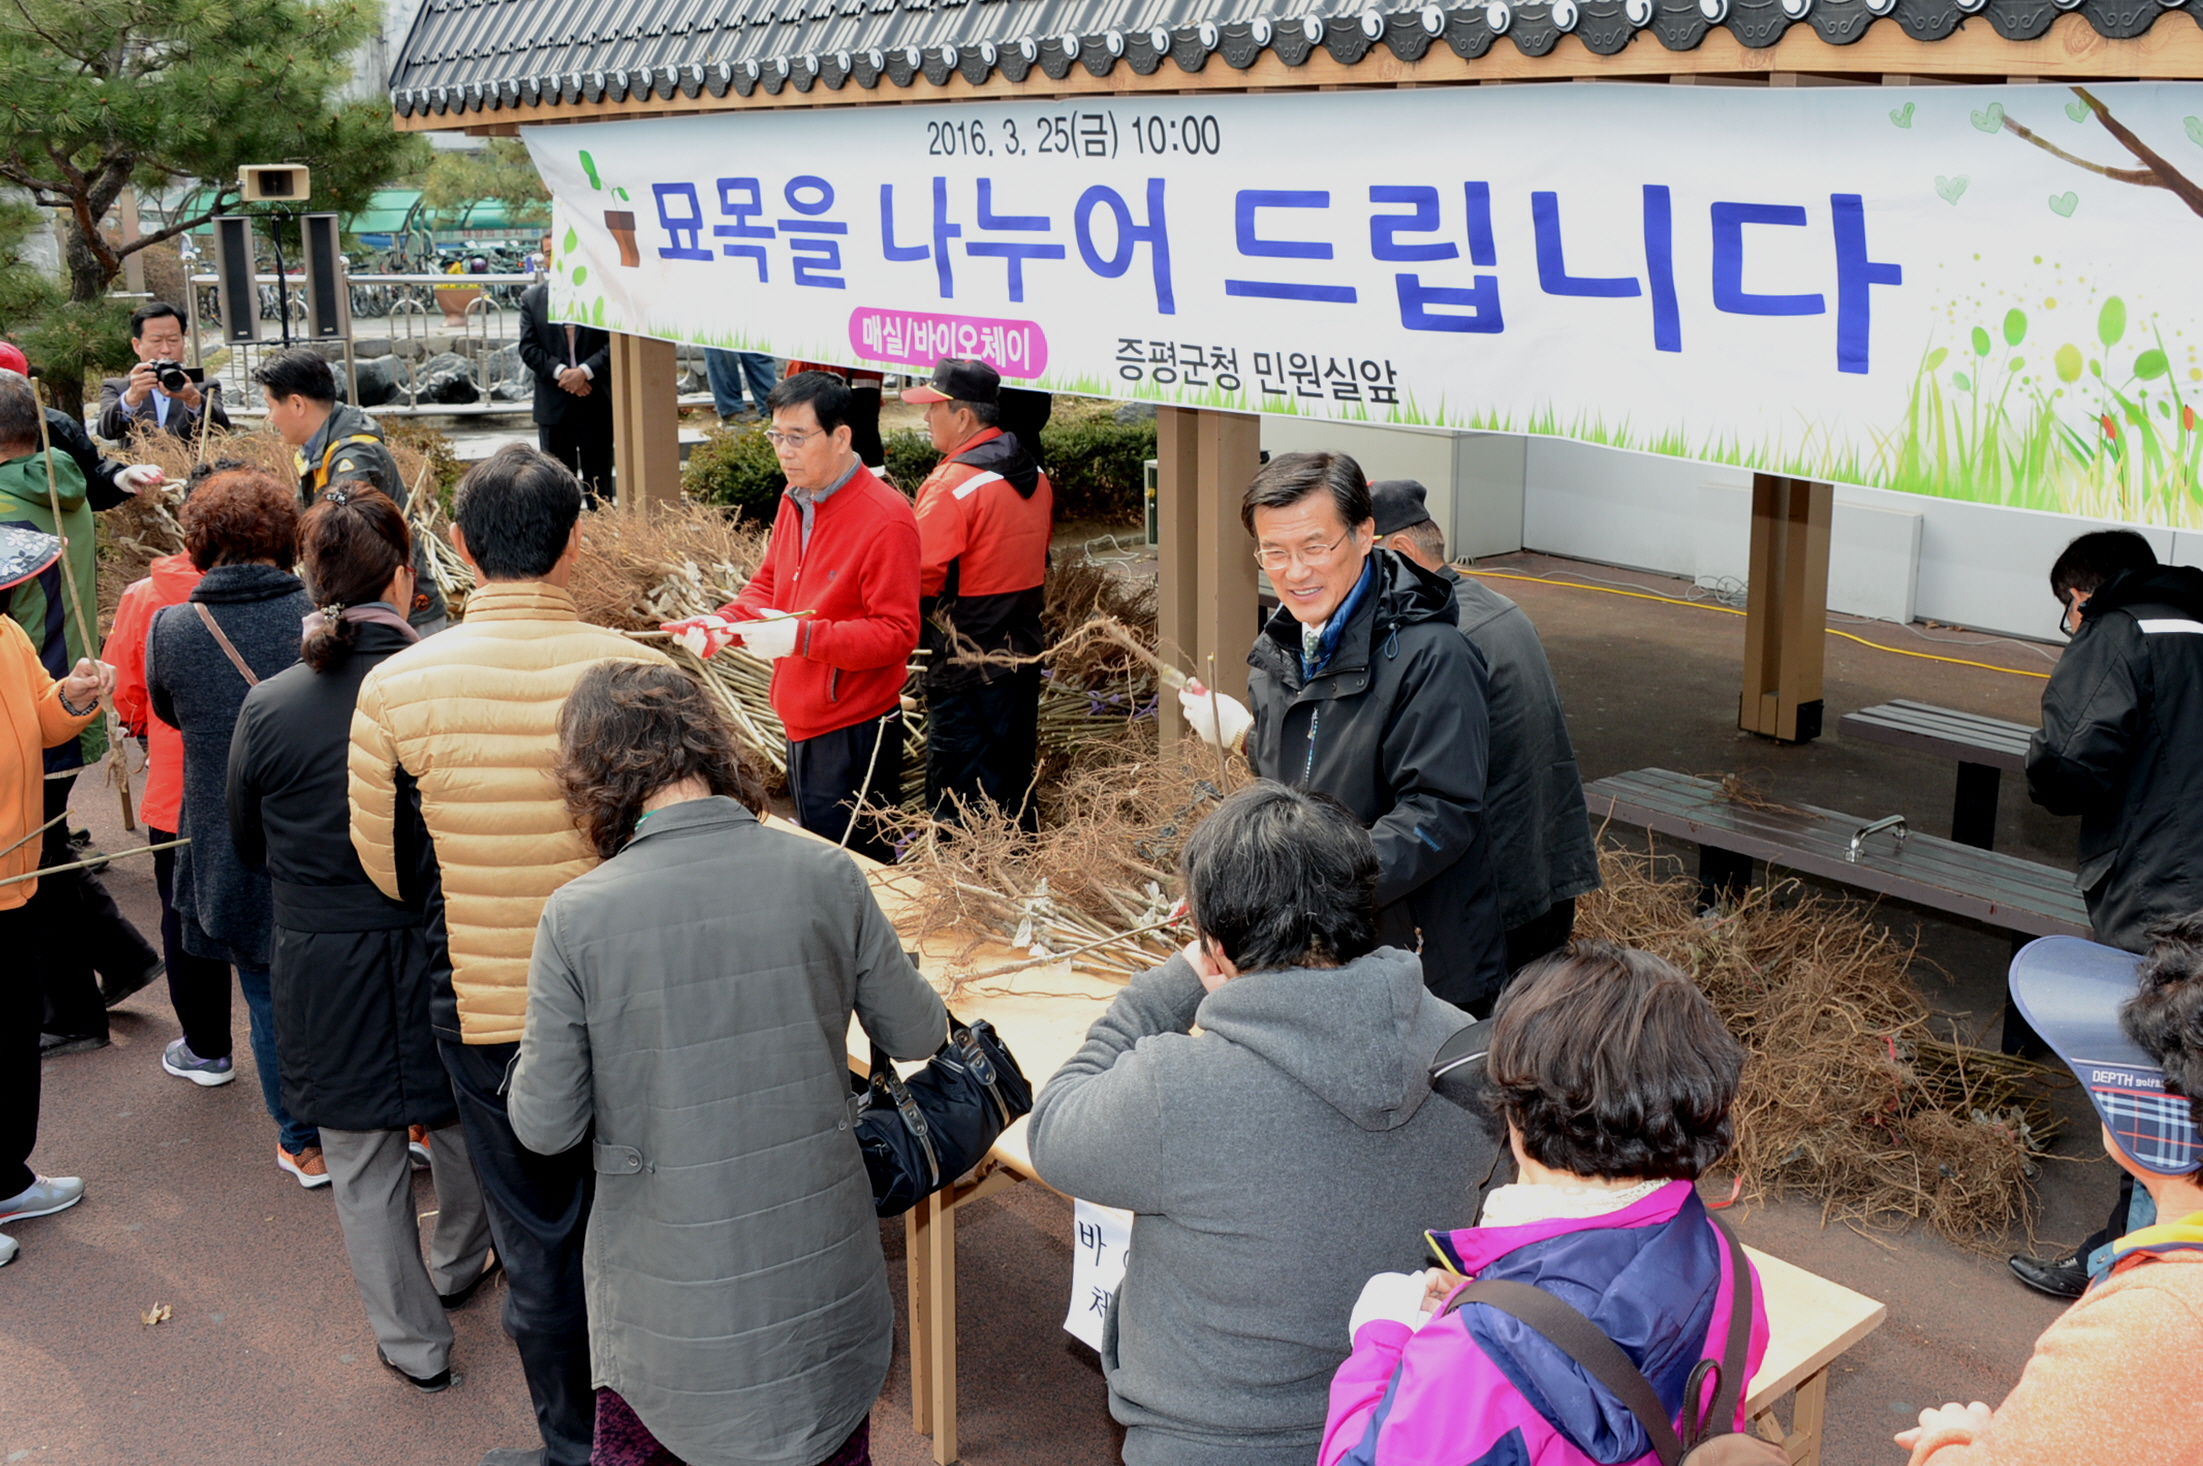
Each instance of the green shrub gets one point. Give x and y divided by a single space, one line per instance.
736 469
910 457
1097 465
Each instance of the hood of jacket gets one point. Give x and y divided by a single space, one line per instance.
24 479
232 583
1002 454
1359 1037
1626 1271
1405 594
173 576
2180 586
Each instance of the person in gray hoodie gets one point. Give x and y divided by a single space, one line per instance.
1275 1157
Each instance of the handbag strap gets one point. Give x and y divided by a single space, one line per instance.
229 649
1588 1345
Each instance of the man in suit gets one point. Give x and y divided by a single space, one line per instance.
137 401
573 388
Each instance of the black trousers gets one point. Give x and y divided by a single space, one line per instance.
198 987
826 778
1540 935
539 1213
20 1003
100 937
982 742
585 446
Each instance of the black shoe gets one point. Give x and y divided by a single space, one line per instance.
60 1045
82 848
111 993
2067 1277
465 1295
434 1384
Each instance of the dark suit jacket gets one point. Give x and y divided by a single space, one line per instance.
116 420
543 348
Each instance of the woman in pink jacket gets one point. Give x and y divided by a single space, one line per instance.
1614 1076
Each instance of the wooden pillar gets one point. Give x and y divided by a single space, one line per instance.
1785 628
646 421
1206 612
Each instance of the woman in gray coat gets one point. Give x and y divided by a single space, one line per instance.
690 999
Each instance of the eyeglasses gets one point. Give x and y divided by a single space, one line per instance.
1315 557
788 440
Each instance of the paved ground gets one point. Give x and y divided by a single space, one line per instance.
266 1358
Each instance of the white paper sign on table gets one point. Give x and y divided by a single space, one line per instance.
1101 1238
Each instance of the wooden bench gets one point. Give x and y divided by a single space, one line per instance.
1880 856
1812 1321
1984 748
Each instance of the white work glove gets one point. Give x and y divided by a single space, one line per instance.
1397 1296
1217 717
705 636
771 636
138 477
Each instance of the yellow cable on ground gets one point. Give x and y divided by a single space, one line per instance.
1645 595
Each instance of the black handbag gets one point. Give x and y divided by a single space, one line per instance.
921 1133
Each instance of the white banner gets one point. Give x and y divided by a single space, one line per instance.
1101 1242
1986 293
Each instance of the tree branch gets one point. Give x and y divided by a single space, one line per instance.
2166 176
2136 176
181 227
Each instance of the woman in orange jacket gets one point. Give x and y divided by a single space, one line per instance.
36 713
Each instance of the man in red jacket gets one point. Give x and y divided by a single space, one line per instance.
834 608
984 517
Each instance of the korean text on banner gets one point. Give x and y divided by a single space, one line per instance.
1102 1240
1972 292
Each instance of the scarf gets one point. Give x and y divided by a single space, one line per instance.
381 613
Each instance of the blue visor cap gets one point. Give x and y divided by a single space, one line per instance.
2071 990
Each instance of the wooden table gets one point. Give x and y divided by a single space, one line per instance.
1984 748
1043 1015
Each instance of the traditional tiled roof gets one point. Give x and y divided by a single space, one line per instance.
484 56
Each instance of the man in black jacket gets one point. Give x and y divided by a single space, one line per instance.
573 389
2121 746
1364 689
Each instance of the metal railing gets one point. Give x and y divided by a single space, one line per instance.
473 317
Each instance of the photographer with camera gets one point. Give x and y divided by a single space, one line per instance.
160 391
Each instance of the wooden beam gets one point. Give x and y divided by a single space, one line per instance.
646 420
1787 608
1227 616
1178 534
2070 51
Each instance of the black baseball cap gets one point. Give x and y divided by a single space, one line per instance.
1398 503
961 380
2071 991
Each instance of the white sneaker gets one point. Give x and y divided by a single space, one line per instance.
8 1249
179 1060
44 1197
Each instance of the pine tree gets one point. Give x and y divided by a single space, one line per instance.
98 94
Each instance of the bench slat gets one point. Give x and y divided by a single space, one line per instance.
1926 870
1967 737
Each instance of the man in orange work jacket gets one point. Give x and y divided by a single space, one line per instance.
984 515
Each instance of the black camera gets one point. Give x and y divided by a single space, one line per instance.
172 376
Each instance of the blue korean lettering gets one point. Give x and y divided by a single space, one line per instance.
811 196
1729 293
1667 317
943 232
742 200
1553 276
1251 244
1480 300
684 228
1385 229
1015 253
1154 234
1435 307
1856 275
